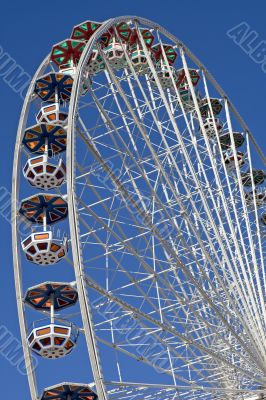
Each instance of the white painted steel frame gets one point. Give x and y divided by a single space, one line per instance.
81 279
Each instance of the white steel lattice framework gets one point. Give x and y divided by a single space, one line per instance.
165 226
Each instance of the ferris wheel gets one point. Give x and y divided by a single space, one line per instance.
138 224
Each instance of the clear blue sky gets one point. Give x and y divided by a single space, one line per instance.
28 30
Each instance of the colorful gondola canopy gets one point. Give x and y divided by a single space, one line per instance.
38 136
170 53
40 206
85 30
68 51
42 296
51 85
69 391
216 106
